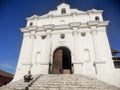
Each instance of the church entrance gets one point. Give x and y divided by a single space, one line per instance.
62 61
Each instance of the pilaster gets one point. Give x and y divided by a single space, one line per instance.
77 64
101 47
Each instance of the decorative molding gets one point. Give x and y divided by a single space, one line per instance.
73 26
84 25
68 14
92 23
64 26
49 26
94 11
103 23
33 28
99 62
40 29
24 30
33 17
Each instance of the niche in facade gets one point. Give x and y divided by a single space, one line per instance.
43 36
62 36
83 34
63 11
97 18
31 24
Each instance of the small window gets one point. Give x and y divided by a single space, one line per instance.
83 34
31 24
43 36
97 18
63 11
62 36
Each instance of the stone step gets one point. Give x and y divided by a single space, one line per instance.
17 85
71 82
60 82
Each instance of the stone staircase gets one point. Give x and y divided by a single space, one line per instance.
19 85
60 82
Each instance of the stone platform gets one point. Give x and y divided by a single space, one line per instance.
60 82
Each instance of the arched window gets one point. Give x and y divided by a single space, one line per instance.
62 36
31 24
63 11
83 34
97 18
43 36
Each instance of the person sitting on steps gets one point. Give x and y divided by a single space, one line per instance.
28 77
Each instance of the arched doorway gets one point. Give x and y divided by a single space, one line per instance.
62 61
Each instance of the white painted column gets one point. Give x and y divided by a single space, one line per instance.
45 64
24 63
107 53
37 55
94 32
77 65
33 37
76 62
103 59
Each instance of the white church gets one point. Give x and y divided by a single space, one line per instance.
67 41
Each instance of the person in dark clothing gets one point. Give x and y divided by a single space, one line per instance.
28 77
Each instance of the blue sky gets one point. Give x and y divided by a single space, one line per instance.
14 12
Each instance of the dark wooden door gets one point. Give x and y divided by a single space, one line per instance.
57 62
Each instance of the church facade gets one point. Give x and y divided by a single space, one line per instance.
66 41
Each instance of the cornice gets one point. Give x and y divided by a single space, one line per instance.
75 24
83 25
48 26
92 23
32 28
64 26
103 23
57 15
94 11
71 26
98 23
24 30
33 17
63 15
40 29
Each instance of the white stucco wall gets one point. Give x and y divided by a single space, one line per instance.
90 54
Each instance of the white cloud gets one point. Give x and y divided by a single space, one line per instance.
8 66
